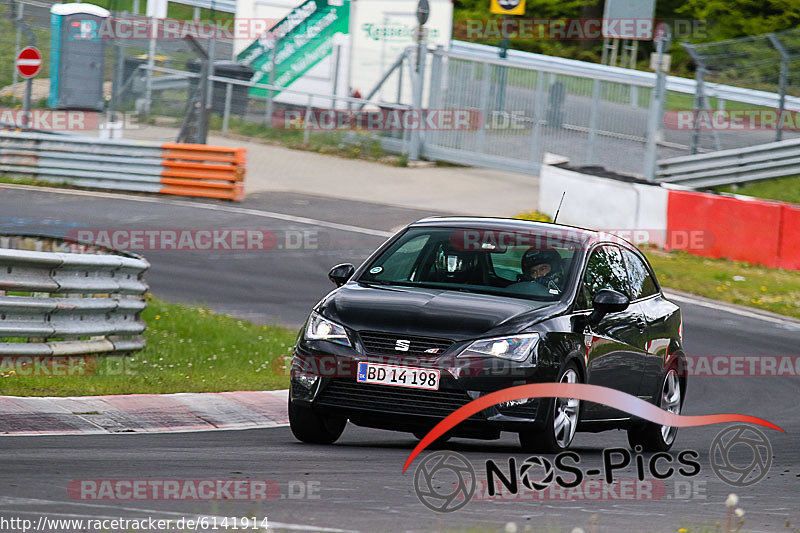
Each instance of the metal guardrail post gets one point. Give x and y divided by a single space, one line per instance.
590 155
227 113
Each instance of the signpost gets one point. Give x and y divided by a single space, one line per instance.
28 64
418 76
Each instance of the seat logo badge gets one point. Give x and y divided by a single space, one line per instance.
432 350
402 345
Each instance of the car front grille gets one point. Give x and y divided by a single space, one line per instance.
387 343
390 399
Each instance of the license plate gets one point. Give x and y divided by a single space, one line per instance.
399 376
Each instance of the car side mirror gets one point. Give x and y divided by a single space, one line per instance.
341 273
607 301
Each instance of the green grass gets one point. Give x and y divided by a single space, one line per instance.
769 289
189 349
784 189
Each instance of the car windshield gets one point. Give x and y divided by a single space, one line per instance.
527 264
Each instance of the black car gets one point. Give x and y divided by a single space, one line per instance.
452 308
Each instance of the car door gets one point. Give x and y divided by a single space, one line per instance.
659 315
615 346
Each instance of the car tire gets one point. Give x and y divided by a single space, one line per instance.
313 428
654 437
561 412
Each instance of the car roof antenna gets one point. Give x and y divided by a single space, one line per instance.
559 206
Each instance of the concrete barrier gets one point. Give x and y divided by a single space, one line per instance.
633 211
742 228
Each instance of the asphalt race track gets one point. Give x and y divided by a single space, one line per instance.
357 484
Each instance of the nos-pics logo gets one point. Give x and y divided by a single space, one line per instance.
445 481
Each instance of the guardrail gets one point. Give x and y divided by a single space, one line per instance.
723 167
66 298
169 168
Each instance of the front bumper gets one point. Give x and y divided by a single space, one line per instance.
336 392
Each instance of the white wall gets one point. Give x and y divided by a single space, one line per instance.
635 211
379 31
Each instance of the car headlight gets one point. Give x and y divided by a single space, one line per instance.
322 329
516 348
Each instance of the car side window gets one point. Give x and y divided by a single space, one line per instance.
642 283
605 270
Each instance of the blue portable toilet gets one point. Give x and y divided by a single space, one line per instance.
77 56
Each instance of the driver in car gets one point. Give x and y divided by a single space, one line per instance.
543 267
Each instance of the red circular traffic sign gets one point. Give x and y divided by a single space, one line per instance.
28 62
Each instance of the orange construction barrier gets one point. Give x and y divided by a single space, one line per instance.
202 170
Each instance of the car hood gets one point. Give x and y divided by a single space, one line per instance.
431 312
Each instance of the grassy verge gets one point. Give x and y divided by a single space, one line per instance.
769 289
784 189
189 349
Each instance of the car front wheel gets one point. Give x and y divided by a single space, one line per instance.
311 427
558 429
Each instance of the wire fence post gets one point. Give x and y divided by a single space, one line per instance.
486 85
783 80
227 113
590 155
307 121
699 95
419 76
17 39
270 92
663 40
151 61
537 148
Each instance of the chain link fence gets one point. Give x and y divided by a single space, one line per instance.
769 63
515 112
